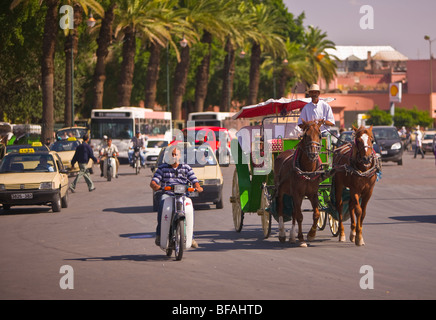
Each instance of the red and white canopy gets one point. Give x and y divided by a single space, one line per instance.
274 106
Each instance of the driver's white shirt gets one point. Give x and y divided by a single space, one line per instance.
321 110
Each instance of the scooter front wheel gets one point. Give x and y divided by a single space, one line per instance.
179 243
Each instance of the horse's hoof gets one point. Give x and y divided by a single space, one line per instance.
282 239
353 236
342 238
292 240
359 242
309 238
303 245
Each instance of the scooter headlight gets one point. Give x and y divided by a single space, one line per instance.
179 188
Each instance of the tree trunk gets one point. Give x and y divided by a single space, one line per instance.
152 75
254 74
284 75
71 43
47 68
228 78
180 80
202 78
127 68
103 41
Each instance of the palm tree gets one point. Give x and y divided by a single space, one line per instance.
214 22
71 47
173 23
145 19
264 37
294 69
104 40
47 65
322 64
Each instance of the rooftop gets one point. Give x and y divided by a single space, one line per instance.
386 53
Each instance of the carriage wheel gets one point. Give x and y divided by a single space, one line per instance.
322 221
334 226
265 202
238 214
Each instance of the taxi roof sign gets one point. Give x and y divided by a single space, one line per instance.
72 139
26 150
37 144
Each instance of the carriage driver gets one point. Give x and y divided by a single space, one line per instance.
317 109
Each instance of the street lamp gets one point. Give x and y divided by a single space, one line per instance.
431 71
91 21
426 37
183 42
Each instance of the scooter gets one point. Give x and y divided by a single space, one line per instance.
177 220
110 167
136 160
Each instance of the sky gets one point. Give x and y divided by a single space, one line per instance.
401 24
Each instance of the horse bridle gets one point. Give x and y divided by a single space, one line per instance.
366 160
312 148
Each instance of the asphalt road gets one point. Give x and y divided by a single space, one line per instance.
106 237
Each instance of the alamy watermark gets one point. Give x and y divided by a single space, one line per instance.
367 280
67 280
367 20
67 20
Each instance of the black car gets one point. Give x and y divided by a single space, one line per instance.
391 146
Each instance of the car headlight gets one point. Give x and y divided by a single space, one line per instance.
211 181
2 187
396 146
46 186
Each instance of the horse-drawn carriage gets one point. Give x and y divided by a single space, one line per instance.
268 154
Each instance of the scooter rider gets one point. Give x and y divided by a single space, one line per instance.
171 174
137 142
104 152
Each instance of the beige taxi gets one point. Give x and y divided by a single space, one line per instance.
71 132
66 149
29 177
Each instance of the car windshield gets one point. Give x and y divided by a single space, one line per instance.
27 162
64 145
77 133
386 133
156 144
194 156
429 136
346 136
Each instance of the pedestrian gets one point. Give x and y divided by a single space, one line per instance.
418 143
81 156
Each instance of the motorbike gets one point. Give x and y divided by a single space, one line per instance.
136 160
177 220
110 167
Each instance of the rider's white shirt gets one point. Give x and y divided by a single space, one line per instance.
321 110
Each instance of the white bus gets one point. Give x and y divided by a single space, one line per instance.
121 123
209 118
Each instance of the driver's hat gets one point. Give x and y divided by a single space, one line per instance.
314 87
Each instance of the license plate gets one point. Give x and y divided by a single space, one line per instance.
384 152
193 194
17 196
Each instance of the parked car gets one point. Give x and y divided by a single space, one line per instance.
207 170
30 177
427 141
391 146
152 150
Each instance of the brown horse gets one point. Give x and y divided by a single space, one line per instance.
298 173
356 166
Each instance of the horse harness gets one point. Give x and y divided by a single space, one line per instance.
347 151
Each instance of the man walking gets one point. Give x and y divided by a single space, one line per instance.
82 155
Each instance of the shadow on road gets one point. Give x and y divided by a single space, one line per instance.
131 210
416 219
